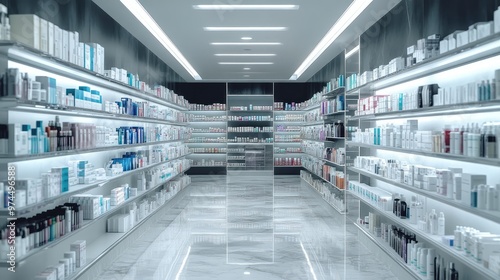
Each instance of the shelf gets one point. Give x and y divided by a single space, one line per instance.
316 140
224 143
334 163
288 166
211 166
333 206
109 240
287 132
359 90
87 223
207 121
289 122
335 138
490 215
435 241
311 123
14 104
249 132
287 142
334 92
11 159
251 111
208 153
475 51
311 107
296 153
314 174
390 252
250 121
77 189
208 132
478 160
335 113
28 56
457 109
252 144
284 112
207 111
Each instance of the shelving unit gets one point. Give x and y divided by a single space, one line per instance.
247 113
170 136
208 158
284 121
449 70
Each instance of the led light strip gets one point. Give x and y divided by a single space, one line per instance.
246 7
244 28
246 63
352 12
147 20
245 44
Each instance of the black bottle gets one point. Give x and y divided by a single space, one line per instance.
453 273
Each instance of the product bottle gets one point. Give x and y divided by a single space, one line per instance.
402 208
473 197
490 143
465 138
441 224
482 199
446 139
433 220
395 202
431 259
423 261
412 210
453 273
492 203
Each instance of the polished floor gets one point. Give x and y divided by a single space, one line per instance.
249 227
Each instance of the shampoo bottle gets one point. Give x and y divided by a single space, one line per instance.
441 224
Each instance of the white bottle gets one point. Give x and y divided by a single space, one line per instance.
482 199
457 243
441 224
413 210
433 221
431 255
423 261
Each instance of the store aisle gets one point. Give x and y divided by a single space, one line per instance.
249 227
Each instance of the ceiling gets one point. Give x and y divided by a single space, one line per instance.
305 27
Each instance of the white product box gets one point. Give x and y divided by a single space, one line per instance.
472 33
44 35
462 38
17 140
76 40
81 57
80 248
48 274
57 42
452 44
65 45
86 56
60 271
484 29
30 187
71 47
98 58
25 29
50 34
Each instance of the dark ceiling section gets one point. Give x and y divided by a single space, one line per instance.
202 93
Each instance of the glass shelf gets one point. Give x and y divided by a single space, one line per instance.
323 179
435 241
456 109
10 158
478 160
77 189
44 108
333 206
335 113
334 92
313 123
23 54
490 215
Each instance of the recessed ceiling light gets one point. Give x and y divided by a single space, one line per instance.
350 14
246 68
245 43
244 28
152 26
246 76
246 273
246 7
245 54
246 63
246 38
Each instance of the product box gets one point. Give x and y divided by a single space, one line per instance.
50 34
48 84
65 45
469 181
58 43
472 33
71 47
48 274
63 174
44 35
80 61
30 188
25 29
86 56
17 140
443 46
76 42
462 38
484 29
80 248
60 271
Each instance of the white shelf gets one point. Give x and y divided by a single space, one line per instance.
31 57
333 206
435 241
478 160
250 144
313 123
323 179
334 92
290 153
287 166
334 163
207 122
88 223
287 132
102 245
13 104
10 158
490 215
311 107
390 252
76 189
301 123
455 109
335 113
